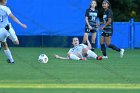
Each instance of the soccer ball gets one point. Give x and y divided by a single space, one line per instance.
43 58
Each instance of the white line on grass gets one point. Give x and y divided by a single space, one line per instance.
72 86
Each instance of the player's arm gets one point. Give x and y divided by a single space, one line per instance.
60 57
107 23
87 22
17 21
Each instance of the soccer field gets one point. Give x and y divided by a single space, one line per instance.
27 75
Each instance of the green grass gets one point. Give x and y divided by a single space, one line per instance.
27 75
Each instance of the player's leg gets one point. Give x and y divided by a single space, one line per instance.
86 34
112 46
0 45
75 57
91 54
13 36
103 47
93 38
85 38
7 52
3 35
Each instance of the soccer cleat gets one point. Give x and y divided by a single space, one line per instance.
105 57
92 49
10 61
83 59
99 58
121 53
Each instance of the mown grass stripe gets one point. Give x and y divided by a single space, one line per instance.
71 86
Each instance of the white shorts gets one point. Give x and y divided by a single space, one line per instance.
13 35
3 34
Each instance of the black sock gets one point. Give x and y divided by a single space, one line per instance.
93 46
84 43
103 49
114 47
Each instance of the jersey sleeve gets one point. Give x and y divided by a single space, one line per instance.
97 13
110 14
86 14
8 11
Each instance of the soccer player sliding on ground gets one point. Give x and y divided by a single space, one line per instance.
80 52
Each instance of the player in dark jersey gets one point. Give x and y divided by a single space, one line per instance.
107 30
91 23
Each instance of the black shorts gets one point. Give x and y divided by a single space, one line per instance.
107 34
87 30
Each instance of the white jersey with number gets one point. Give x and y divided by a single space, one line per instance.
77 50
4 13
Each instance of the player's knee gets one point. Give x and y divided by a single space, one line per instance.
109 45
5 46
16 42
84 50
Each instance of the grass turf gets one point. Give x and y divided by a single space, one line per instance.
115 74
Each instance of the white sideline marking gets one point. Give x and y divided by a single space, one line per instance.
73 86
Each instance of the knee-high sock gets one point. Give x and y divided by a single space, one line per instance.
93 45
74 57
9 55
103 49
91 54
114 47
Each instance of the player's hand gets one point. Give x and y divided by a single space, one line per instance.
56 56
90 27
97 25
23 25
102 28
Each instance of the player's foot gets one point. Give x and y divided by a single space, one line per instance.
121 53
99 58
105 57
83 59
93 49
10 61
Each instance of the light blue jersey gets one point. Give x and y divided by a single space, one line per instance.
4 13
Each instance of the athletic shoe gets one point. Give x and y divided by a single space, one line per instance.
121 53
99 58
10 61
83 59
92 49
105 57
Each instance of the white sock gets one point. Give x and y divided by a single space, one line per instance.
9 55
0 44
74 57
91 54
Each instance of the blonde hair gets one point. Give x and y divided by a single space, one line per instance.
3 2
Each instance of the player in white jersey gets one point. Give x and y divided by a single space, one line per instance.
3 36
80 51
6 29
5 12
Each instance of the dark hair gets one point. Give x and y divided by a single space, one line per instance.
2 2
108 3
